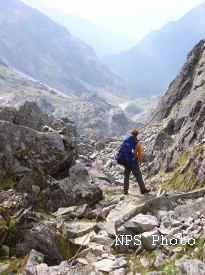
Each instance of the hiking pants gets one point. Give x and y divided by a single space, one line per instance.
138 175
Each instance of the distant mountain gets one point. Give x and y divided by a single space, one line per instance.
37 46
157 58
102 39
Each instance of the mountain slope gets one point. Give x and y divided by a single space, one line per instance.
180 116
102 39
90 113
157 58
35 45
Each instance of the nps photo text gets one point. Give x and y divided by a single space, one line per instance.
156 239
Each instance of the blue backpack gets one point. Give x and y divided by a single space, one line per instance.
125 156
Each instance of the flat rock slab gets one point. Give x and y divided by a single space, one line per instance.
141 223
123 211
104 265
76 229
75 244
73 211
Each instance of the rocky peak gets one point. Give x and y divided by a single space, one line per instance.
187 84
94 98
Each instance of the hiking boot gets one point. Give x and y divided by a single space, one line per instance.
145 191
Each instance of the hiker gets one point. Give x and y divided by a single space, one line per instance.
135 169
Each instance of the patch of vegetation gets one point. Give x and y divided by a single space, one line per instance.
168 267
42 201
87 220
108 192
69 254
171 150
135 265
13 267
4 260
14 235
3 228
8 182
59 157
202 184
182 181
179 181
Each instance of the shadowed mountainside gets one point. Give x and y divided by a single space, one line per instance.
157 58
37 46
102 39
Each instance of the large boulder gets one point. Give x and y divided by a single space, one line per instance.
32 259
8 114
25 149
45 240
141 223
12 201
30 115
78 188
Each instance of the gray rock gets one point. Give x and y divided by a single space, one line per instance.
144 261
123 211
8 114
141 223
73 211
120 271
96 174
4 251
45 106
75 229
75 244
77 189
100 145
160 257
97 249
42 269
189 266
32 259
104 265
3 267
53 246
30 115
33 150
150 239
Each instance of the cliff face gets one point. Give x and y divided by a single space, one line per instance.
188 86
180 118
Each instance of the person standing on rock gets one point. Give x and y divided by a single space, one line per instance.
137 162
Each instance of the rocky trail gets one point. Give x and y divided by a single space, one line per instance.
62 209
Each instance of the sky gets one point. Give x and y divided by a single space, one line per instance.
97 9
131 17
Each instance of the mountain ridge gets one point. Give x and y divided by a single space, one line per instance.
102 39
155 60
46 51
